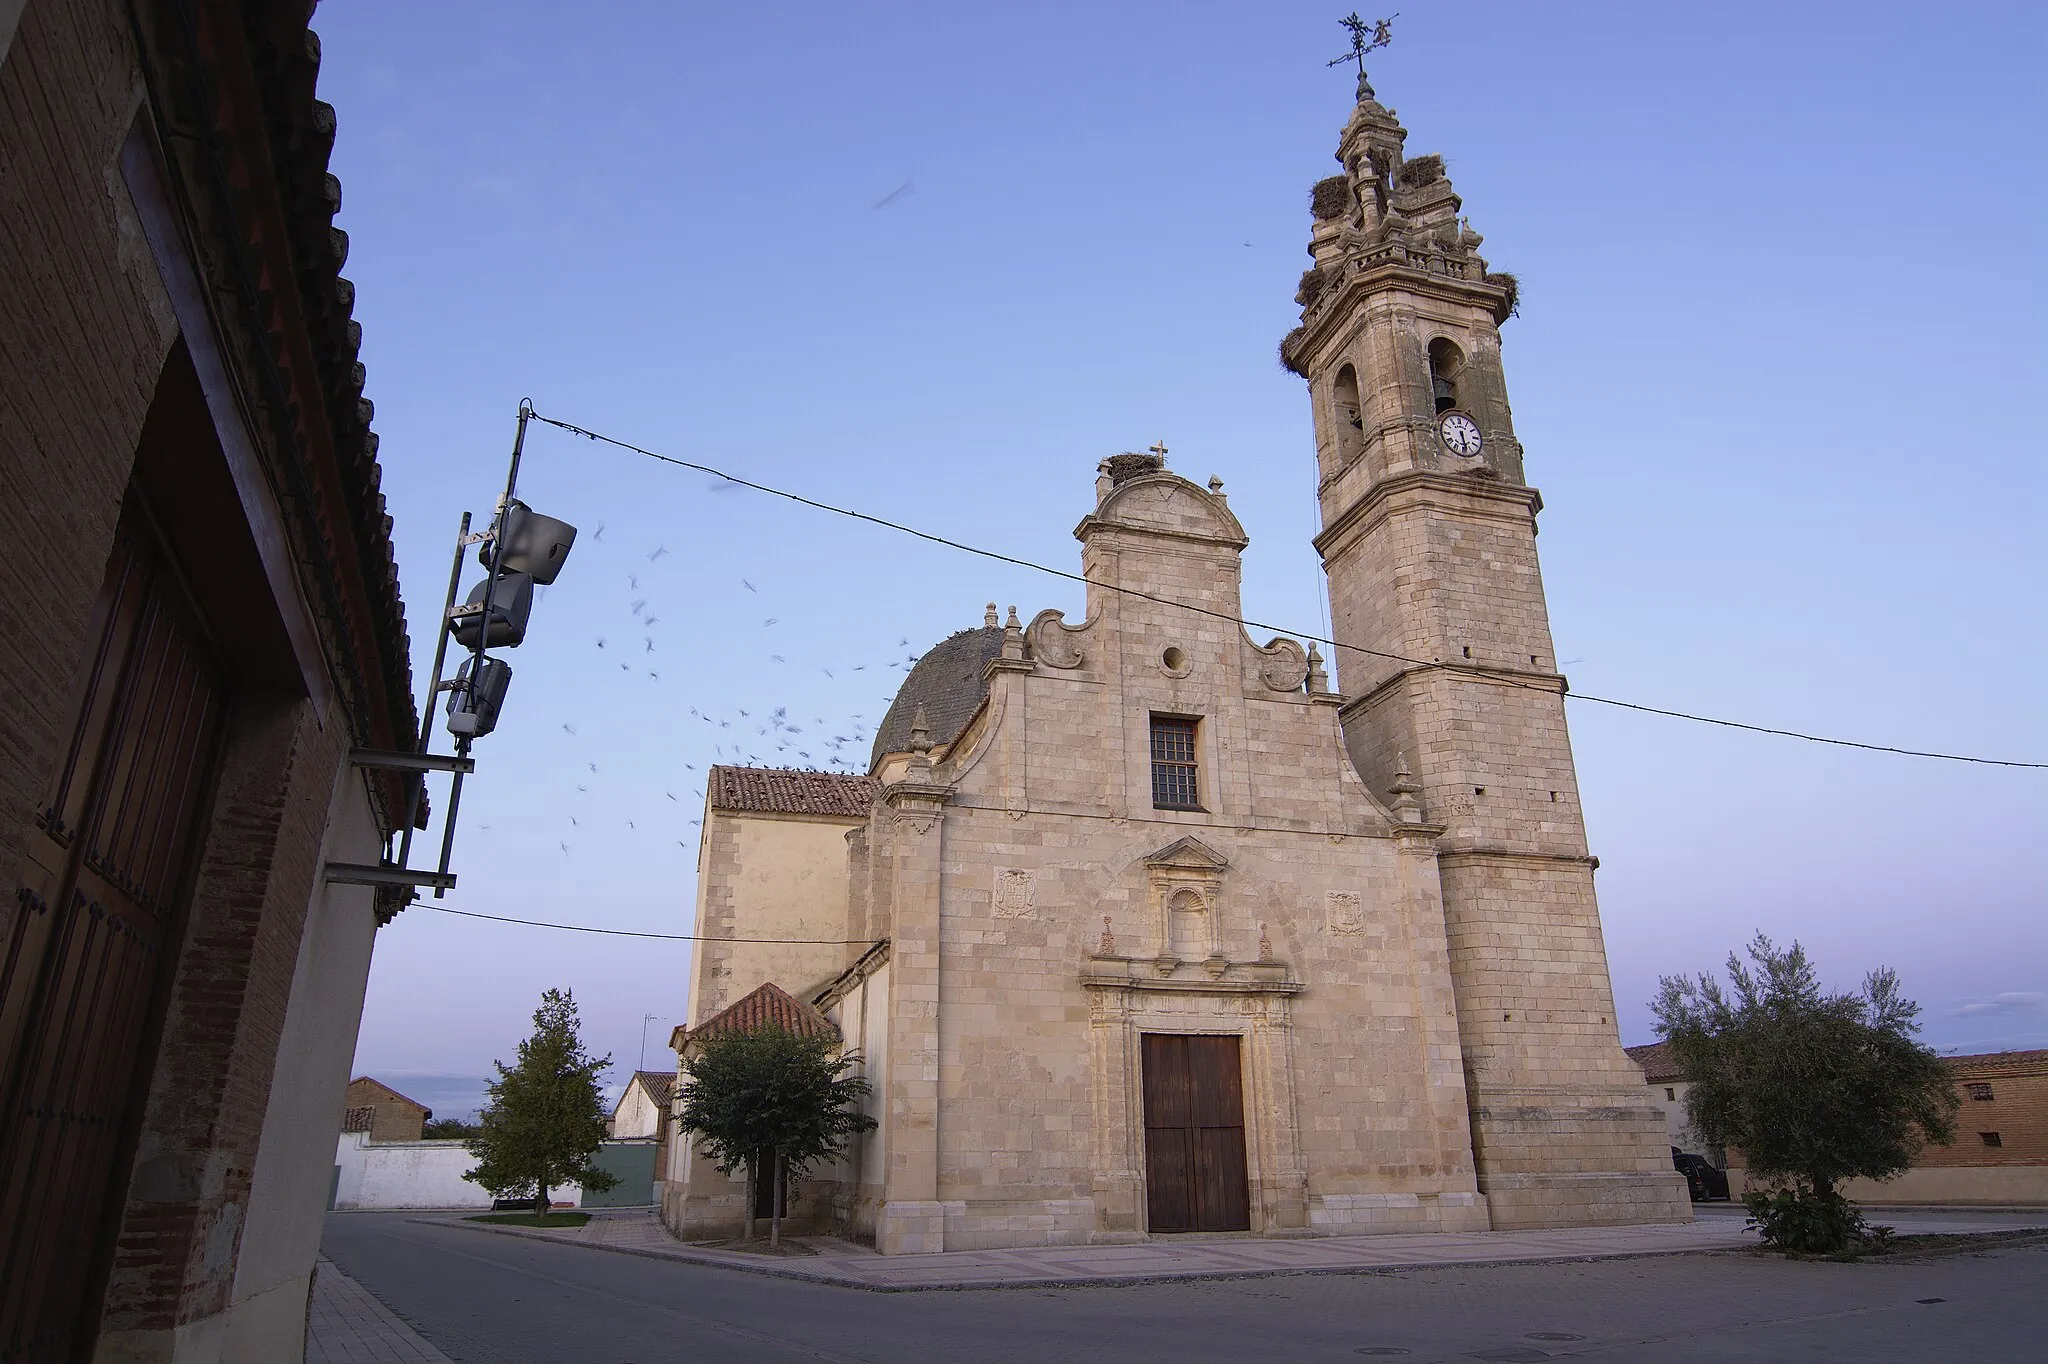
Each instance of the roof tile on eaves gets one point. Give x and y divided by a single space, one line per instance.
769 1006
790 791
1659 1065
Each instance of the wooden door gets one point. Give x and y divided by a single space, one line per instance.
99 916
1195 1175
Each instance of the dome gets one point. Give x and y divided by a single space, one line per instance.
948 682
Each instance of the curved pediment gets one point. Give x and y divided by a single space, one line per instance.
1166 504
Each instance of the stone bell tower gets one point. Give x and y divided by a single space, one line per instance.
1429 541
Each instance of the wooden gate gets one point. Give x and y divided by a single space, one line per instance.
99 916
1195 1177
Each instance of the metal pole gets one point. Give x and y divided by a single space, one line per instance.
483 637
412 803
645 1019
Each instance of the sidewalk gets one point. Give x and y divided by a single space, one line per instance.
348 1326
855 1266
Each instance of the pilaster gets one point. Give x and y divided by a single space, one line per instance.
912 1220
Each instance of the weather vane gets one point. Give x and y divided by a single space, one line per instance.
1364 38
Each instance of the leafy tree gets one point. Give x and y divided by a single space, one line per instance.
449 1129
1815 1088
545 1118
774 1101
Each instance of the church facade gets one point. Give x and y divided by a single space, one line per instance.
1147 928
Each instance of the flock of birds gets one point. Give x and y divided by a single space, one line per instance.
768 737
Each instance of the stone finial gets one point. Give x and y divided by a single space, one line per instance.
1265 945
1107 947
1406 808
1215 485
1318 680
988 617
1103 482
1013 635
921 731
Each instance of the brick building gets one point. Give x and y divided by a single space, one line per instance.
199 622
377 1109
1150 929
1999 1156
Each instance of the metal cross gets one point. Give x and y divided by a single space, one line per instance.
1365 38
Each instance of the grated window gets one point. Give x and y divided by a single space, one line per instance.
1173 764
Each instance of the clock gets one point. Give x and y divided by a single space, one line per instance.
1460 433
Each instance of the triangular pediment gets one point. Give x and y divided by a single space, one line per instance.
1190 853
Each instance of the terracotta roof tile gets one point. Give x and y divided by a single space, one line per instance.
1659 1066
790 791
769 1006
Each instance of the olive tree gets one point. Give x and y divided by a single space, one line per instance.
1814 1087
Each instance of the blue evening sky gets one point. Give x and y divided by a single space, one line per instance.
1775 373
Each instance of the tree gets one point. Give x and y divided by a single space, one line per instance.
545 1118
1815 1088
449 1129
774 1101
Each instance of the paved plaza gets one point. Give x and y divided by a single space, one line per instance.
408 1288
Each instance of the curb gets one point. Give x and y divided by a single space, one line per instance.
778 1271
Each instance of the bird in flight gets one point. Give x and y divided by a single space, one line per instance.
751 588
657 554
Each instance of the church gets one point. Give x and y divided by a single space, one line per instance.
1148 929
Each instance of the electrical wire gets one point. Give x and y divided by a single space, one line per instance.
1491 674
635 933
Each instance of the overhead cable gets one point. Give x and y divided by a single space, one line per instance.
1491 674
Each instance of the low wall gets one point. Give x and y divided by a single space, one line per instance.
404 1174
1962 1184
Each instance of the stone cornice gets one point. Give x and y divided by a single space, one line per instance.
1514 677
1479 852
1339 307
1429 485
1143 973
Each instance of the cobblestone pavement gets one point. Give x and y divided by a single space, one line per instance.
513 1300
841 1262
348 1326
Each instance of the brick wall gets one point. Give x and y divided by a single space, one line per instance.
2016 1111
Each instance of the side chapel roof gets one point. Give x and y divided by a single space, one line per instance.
790 791
769 1006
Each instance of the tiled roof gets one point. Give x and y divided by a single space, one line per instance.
388 1092
790 791
1657 1062
948 683
659 1084
1986 1063
1659 1067
769 1006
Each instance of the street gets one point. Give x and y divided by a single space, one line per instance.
493 1299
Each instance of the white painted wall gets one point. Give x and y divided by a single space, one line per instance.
394 1175
266 1318
637 1114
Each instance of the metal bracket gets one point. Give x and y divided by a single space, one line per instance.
359 874
411 762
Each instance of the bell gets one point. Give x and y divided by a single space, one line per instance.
527 542
511 604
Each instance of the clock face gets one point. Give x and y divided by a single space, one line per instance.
1460 433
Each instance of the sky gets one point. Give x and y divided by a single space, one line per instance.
1778 352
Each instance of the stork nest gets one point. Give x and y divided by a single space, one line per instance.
1130 465
1330 198
1289 345
1512 305
1423 170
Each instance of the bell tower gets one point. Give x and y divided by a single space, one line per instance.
1429 541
